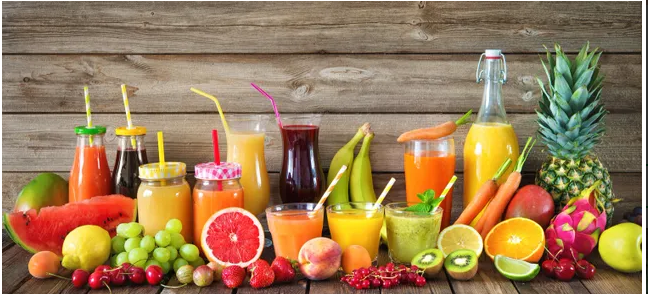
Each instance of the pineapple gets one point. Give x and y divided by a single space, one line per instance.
570 119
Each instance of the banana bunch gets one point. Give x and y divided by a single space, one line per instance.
358 174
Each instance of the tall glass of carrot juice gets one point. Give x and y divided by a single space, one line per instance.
491 139
430 164
246 146
292 225
90 174
217 187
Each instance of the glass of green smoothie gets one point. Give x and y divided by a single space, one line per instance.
410 232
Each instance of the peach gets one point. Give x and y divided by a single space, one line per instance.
319 258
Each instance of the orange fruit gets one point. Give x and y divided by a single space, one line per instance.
355 257
519 238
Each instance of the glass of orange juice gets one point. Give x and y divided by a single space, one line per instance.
217 187
430 164
246 146
291 225
356 223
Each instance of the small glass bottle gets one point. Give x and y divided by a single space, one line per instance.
217 187
131 153
90 173
164 194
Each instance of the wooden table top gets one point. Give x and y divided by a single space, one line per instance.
16 279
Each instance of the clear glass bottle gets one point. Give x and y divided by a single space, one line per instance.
90 173
491 139
131 153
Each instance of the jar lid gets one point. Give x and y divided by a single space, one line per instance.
213 171
94 130
155 171
134 131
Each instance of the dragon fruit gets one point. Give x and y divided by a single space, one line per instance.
575 231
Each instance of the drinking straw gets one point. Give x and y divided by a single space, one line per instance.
86 95
161 153
274 104
448 187
216 155
128 115
384 193
220 110
329 189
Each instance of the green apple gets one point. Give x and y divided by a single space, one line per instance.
620 247
46 189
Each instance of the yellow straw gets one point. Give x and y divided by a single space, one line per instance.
161 148
330 188
449 186
220 110
128 115
86 95
384 193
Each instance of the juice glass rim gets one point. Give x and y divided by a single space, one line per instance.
397 208
247 117
368 208
442 139
292 207
310 119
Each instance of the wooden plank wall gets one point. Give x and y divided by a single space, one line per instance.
397 65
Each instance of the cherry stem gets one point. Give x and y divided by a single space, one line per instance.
60 277
109 290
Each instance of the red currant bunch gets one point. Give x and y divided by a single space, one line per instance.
386 276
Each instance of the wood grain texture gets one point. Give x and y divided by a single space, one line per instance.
53 286
46 142
14 268
542 284
607 280
386 27
487 280
300 83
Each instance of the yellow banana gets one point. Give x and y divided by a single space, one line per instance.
361 178
344 156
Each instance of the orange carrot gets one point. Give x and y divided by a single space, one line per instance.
483 196
505 192
436 132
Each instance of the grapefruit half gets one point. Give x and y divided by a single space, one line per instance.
232 236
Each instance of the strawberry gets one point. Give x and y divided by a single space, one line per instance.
260 263
283 269
233 276
262 276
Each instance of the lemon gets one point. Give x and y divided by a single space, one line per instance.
457 237
86 247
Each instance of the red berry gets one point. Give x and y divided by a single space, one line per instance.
102 269
154 274
414 268
137 275
375 283
366 284
283 269
233 276
117 277
372 269
98 280
420 281
79 278
585 270
548 267
411 277
386 284
567 260
126 267
565 270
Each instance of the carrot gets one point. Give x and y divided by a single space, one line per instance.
436 132
505 192
483 196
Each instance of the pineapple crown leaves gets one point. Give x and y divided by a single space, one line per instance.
570 112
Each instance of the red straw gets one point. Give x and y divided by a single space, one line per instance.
216 155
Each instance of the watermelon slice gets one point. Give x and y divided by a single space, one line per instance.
46 230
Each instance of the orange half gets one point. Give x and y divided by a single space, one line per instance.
519 238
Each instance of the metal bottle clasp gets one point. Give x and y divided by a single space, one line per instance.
478 74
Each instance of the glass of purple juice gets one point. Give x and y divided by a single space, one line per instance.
131 153
301 178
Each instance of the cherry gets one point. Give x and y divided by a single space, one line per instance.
126 267
154 274
102 269
80 278
585 270
548 267
137 275
117 277
565 270
98 280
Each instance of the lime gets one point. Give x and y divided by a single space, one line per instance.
515 269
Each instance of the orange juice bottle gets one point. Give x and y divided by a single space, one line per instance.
164 194
90 174
491 139
217 187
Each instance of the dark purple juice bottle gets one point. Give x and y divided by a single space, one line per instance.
302 178
131 153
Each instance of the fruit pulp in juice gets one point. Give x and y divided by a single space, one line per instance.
90 174
125 176
301 178
356 227
430 170
291 229
206 202
156 205
487 146
247 149
407 235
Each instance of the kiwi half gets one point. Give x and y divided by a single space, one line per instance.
429 260
461 264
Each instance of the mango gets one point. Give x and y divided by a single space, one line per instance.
46 189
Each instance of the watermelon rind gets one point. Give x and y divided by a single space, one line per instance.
12 234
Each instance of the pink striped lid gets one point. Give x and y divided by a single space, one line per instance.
213 171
